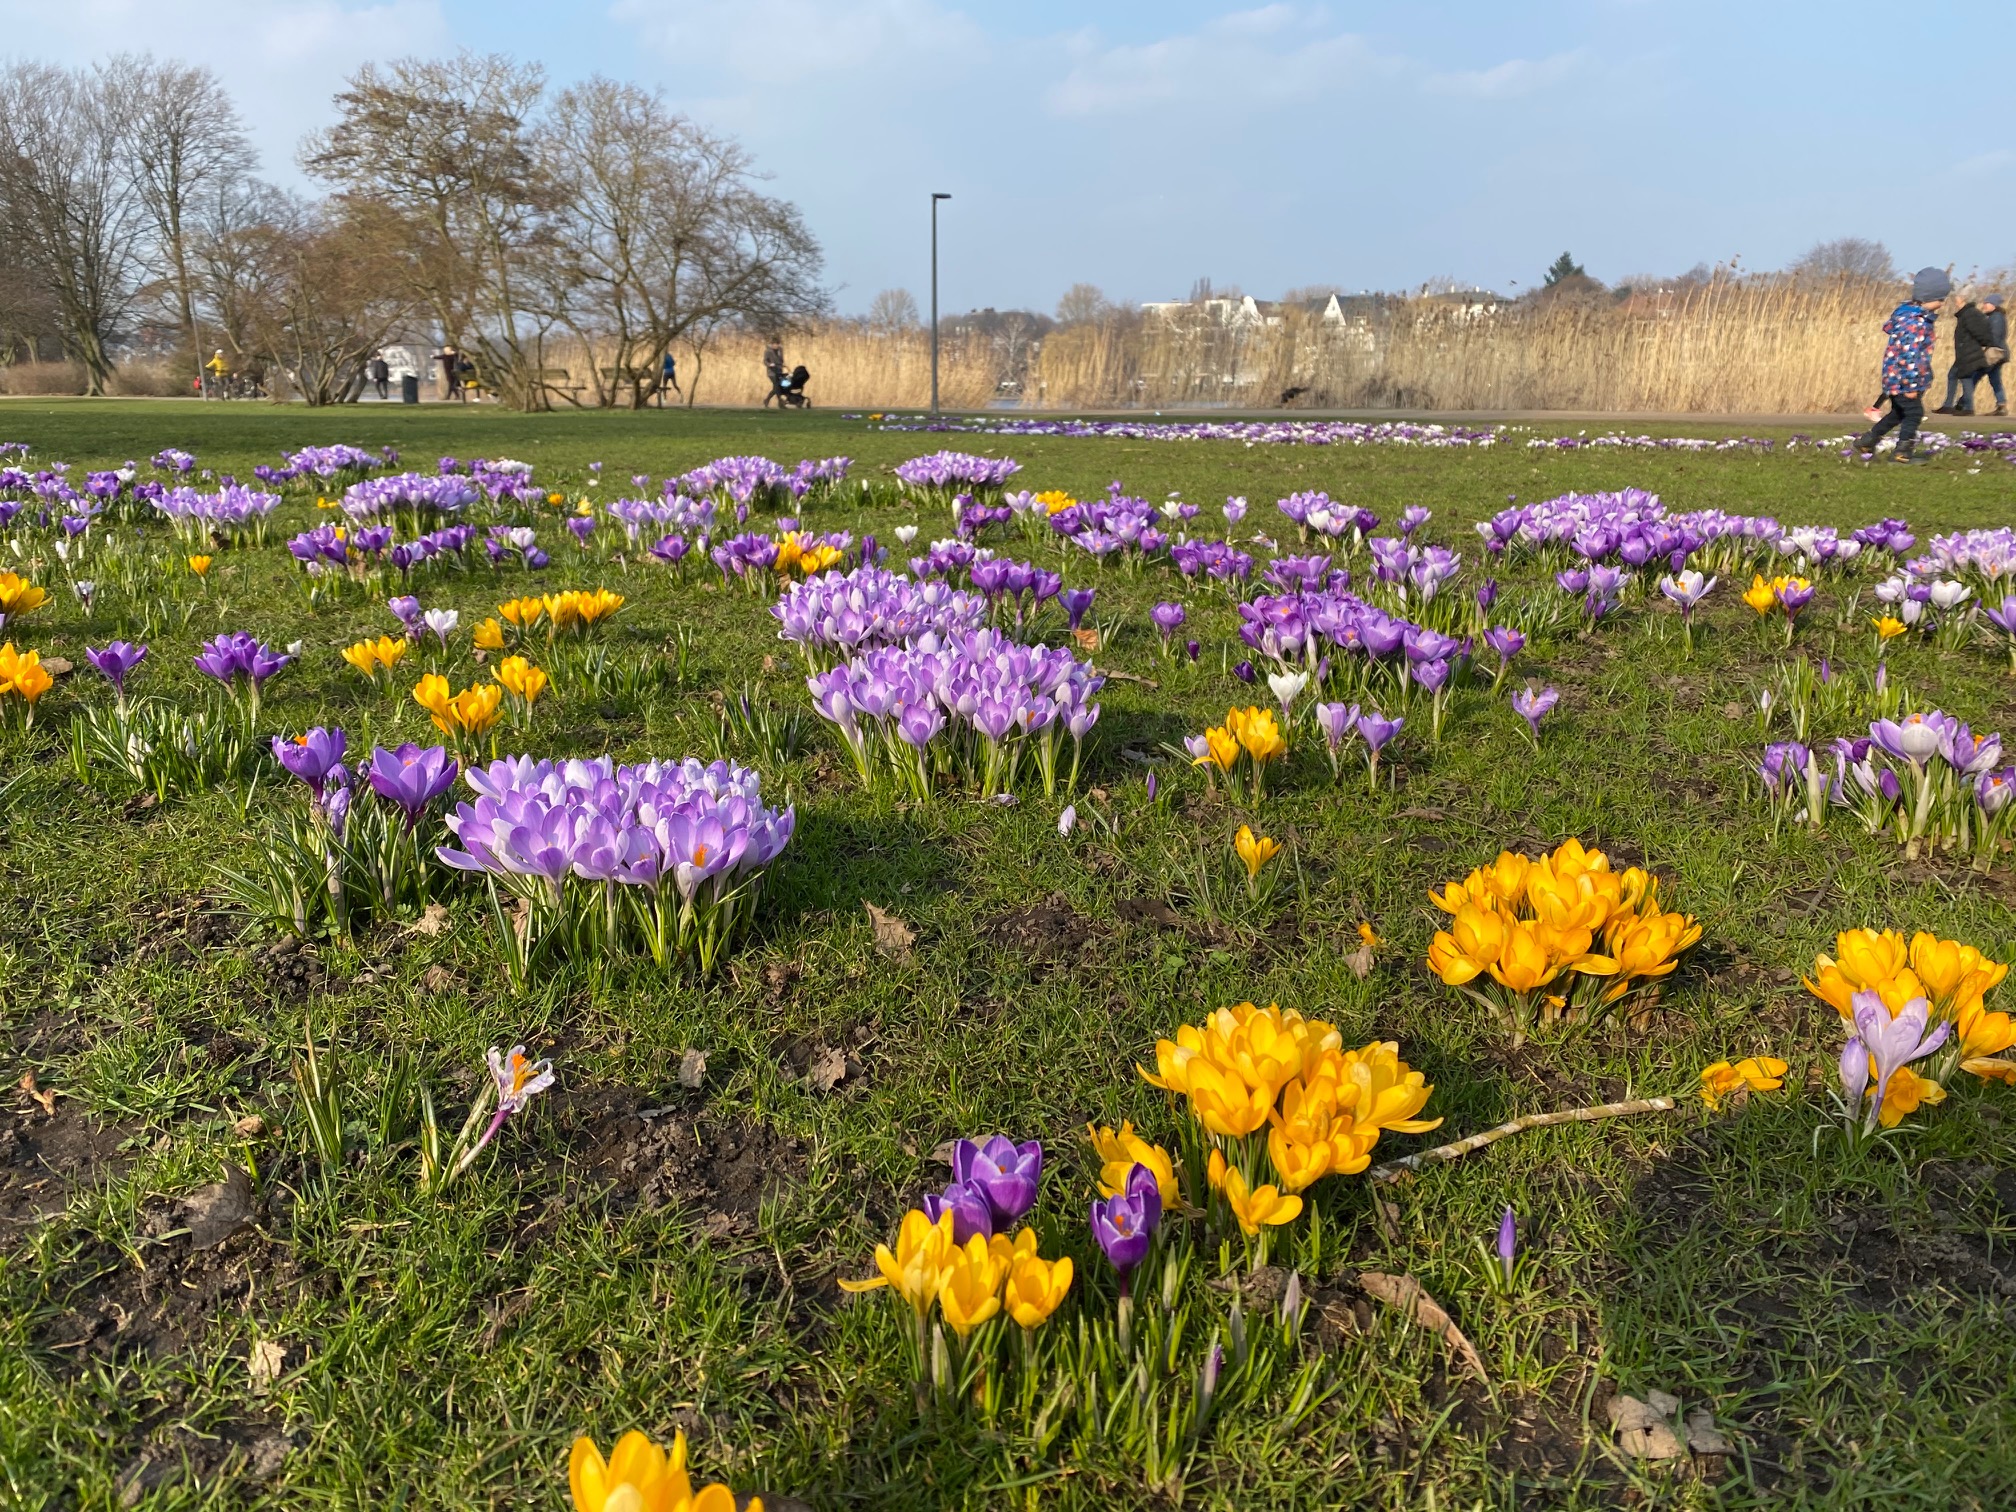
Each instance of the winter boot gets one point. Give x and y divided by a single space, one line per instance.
1906 452
1866 445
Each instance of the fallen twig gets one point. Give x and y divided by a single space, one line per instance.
1393 1170
1410 1299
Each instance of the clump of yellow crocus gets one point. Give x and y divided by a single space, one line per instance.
639 1476
18 596
1953 978
524 683
1561 938
376 659
23 681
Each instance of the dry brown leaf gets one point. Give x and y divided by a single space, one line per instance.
265 1364
827 1068
892 936
437 979
1642 1429
249 1127
55 666
46 1100
214 1213
942 1152
1410 1298
433 920
769 665
1360 962
692 1069
1703 1437
1088 639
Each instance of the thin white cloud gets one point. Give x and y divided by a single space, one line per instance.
1513 79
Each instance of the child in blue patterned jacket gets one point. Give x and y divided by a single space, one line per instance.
1907 363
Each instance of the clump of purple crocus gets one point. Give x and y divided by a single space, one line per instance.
1006 1174
1125 1225
242 663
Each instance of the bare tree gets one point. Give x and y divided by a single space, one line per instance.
894 311
66 191
447 147
187 145
1083 304
1845 257
232 261
668 237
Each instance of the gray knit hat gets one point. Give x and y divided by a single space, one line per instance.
1991 299
1930 283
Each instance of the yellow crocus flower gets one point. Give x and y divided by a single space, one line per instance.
523 612
200 565
1762 594
490 636
1953 973
475 709
1257 1208
914 1268
521 679
22 673
1888 627
1255 850
1298 1165
1223 748
1035 1287
1907 1092
1258 732
638 1476
1761 1073
969 1288
1469 947
431 693
18 596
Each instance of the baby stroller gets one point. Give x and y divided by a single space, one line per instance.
791 389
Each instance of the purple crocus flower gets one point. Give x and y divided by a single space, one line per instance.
1375 729
1505 642
1894 1042
1244 671
1125 1225
115 663
971 1212
1508 1242
1432 674
1077 603
1004 1172
2004 618
1487 595
581 527
311 757
1916 738
1532 707
1167 618
411 777
406 609
1338 722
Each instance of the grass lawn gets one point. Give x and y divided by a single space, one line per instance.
638 1252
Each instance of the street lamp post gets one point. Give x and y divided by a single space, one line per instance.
934 301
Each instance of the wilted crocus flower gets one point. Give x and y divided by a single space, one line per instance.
1001 1170
1077 603
311 757
968 1205
518 1081
1532 707
1125 1225
115 663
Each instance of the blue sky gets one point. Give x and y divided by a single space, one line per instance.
1139 146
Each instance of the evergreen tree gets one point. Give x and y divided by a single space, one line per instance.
1562 267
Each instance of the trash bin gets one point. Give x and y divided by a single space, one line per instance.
409 388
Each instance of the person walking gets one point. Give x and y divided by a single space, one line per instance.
668 377
773 365
381 375
1972 337
1907 363
1997 310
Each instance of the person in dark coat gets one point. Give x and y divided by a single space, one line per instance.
773 367
1972 337
1997 309
381 375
